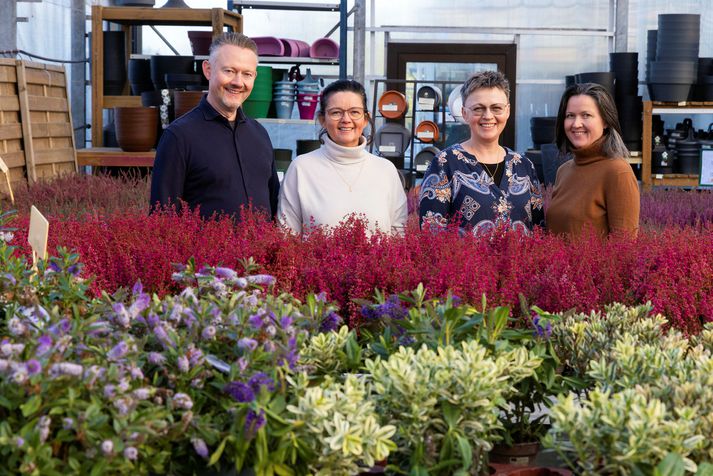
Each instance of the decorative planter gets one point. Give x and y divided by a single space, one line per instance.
393 104
136 128
184 101
519 454
200 41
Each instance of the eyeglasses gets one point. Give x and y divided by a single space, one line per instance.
355 113
496 109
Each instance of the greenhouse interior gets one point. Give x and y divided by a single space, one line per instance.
405 237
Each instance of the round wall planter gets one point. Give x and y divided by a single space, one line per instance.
392 104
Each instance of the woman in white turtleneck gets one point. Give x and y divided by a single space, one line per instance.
326 186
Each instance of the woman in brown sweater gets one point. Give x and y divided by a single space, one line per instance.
597 189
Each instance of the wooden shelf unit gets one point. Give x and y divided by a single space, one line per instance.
648 180
114 157
130 17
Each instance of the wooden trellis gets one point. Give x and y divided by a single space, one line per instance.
36 133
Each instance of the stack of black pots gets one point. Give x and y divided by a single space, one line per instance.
604 78
625 67
651 37
542 130
114 63
703 89
673 70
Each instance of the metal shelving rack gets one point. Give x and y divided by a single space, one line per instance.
341 7
413 86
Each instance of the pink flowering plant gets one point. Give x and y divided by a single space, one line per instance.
135 384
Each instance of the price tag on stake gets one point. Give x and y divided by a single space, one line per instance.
37 236
3 166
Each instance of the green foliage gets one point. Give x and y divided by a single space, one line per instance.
445 403
332 353
337 426
620 433
581 338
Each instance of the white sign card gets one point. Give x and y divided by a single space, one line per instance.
37 236
706 167
4 169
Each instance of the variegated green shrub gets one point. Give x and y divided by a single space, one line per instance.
679 376
446 402
580 338
331 352
622 433
336 425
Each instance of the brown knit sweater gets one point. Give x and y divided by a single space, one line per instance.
595 191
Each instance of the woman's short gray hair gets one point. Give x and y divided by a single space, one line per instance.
234 39
485 80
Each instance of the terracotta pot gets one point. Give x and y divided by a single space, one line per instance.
136 128
392 104
427 131
184 101
520 454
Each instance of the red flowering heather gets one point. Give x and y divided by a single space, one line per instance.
669 264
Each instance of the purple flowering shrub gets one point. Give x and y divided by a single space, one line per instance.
132 383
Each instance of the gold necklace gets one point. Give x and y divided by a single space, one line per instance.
482 164
487 171
341 177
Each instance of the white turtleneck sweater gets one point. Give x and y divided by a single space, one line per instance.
316 190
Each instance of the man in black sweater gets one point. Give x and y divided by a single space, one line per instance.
214 157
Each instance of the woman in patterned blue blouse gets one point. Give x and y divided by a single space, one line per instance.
479 184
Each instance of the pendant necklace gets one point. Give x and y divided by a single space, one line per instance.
341 177
487 170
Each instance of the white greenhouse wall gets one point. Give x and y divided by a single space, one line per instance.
542 63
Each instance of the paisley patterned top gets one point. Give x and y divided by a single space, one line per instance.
457 188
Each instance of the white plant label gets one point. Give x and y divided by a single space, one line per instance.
37 236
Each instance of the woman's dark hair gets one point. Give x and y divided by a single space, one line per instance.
612 144
344 86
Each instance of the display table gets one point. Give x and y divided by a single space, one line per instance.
114 157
